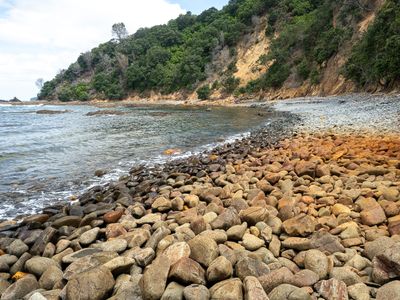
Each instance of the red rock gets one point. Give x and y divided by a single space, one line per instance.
305 168
113 216
115 230
332 289
373 216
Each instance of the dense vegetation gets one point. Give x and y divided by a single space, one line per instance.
176 56
377 56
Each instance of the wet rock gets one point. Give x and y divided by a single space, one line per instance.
253 289
203 250
94 284
219 269
113 216
154 278
332 289
230 289
196 292
72 221
20 288
187 271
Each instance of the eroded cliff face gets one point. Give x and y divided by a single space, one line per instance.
249 66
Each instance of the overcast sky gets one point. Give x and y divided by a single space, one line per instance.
38 38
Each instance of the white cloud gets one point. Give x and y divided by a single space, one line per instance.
37 38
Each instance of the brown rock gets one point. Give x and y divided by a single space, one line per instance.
72 221
373 216
253 215
115 230
94 284
301 225
230 289
154 278
305 168
228 218
187 271
253 289
275 278
113 216
177 251
394 225
203 250
219 269
332 289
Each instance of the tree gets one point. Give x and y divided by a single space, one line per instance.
39 83
119 31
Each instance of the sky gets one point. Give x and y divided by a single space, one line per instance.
39 38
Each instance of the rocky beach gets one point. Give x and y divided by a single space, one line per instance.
306 208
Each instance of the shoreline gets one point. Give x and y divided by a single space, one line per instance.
294 210
228 102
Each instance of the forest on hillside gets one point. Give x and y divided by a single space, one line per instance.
177 56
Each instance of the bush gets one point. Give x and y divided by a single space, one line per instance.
230 84
276 75
204 92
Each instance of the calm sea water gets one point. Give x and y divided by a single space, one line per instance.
47 158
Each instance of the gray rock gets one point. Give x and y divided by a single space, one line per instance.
249 266
174 291
346 275
196 292
72 221
38 265
317 262
70 258
94 284
390 291
45 237
116 245
251 242
20 288
50 277
359 291
235 233
275 278
17 248
19 265
288 292
156 237
89 236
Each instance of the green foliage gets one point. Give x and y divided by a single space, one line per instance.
176 56
230 84
376 58
204 92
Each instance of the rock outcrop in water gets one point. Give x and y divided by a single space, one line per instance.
312 217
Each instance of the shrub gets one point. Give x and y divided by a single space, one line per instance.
204 92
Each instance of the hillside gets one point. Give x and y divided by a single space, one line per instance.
249 49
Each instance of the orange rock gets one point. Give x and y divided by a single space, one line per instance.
172 151
19 275
115 230
113 216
